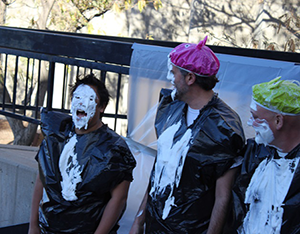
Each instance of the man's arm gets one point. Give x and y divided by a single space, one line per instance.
222 198
36 198
138 224
114 208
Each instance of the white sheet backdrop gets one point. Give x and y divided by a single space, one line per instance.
148 70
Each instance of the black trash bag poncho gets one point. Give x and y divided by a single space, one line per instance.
254 155
103 160
183 201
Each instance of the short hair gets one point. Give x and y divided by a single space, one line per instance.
205 82
91 79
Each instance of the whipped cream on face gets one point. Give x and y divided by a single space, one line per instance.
83 106
171 77
264 134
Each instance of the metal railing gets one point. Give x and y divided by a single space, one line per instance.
35 63
39 62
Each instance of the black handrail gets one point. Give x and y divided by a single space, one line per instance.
81 52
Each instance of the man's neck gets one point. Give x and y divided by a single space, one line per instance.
199 99
90 128
288 144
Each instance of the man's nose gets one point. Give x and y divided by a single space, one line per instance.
82 102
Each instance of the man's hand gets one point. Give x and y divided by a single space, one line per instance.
138 224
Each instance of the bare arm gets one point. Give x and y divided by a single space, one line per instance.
223 195
36 198
114 208
138 224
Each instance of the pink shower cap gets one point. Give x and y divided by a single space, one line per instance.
198 59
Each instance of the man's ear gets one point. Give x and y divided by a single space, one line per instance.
102 108
279 121
190 78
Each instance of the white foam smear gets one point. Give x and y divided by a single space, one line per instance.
265 195
83 106
169 164
173 94
264 134
171 77
70 170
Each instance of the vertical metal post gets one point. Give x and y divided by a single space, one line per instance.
103 76
118 100
26 87
4 82
64 87
38 90
50 85
15 85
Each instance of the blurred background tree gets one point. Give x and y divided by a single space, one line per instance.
258 24
60 15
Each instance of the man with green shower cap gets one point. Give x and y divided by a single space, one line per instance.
268 186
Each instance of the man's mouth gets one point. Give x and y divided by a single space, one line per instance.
81 113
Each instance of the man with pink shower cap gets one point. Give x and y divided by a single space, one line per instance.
199 138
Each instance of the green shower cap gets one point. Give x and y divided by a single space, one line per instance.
278 95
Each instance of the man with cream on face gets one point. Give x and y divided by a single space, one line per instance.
268 185
85 168
199 137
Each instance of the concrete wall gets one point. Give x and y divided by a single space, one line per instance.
18 170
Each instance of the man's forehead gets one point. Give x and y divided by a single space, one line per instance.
260 112
85 90
175 69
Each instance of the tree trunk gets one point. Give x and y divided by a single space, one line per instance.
24 135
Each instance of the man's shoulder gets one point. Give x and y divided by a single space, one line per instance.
54 121
165 99
226 117
167 106
254 154
224 109
110 137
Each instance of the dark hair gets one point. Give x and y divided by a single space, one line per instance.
205 82
98 84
